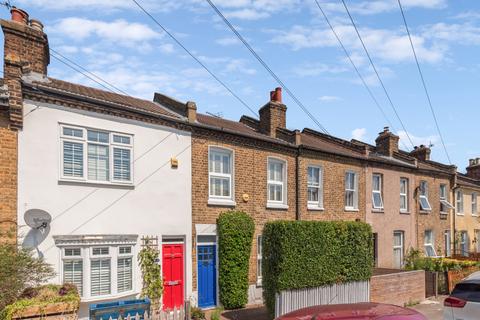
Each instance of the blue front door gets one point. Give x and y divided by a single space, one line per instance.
207 276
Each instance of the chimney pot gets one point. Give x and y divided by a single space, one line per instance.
386 129
387 142
278 94
19 15
36 24
421 153
272 95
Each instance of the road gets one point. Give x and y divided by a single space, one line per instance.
431 308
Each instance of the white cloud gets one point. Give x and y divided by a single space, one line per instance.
315 69
119 31
167 48
329 98
418 140
227 41
388 45
380 6
154 5
238 65
464 34
247 14
359 134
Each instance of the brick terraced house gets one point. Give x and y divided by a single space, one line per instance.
109 169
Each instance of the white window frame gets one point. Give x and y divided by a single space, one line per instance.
276 204
316 205
474 204
464 243
69 258
259 258
354 190
477 240
87 256
459 203
423 194
404 195
429 244
84 141
377 192
130 256
443 197
401 246
222 200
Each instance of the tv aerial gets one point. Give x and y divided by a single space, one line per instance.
37 219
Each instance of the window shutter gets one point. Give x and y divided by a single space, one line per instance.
121 164
73 273
72 159
100 277
98 162
124 274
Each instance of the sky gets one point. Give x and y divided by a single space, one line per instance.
119 43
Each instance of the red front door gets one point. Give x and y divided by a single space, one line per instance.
172 275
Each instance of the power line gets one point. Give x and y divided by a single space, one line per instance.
356 69
111 204
265 65
195 58
377 74
89 72
423 82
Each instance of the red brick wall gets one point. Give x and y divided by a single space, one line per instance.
398 288
250 175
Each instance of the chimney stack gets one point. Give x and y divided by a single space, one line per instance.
421 153
273 114
473 169
387 142
25 50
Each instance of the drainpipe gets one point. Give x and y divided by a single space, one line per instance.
297 184
454 233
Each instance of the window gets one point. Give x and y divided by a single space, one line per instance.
124 269
477 240
464 243
403 195
96 156
398 243
351 191
314 184
448 248
377 191
276 184
107 269
100 272
429 244
459 206
73 268
424 203
474 204
443 198
375 249
259 260
220 163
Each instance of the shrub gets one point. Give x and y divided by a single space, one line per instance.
305 254
416 261
235 234
197 314
19 270
151 274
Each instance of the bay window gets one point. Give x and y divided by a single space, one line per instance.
95 156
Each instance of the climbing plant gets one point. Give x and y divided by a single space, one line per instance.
151 274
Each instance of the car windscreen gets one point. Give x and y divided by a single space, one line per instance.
467 291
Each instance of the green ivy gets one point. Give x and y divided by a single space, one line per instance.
235 234
151 274
305 254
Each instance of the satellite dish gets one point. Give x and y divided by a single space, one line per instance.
37 218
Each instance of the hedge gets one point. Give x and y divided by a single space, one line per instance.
235 235
305 254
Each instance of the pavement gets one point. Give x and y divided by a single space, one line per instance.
431 308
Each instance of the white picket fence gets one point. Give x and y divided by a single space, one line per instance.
176 314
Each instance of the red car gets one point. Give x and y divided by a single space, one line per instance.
356 311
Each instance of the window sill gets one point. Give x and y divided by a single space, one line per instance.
460 214
110 296
221 202
405 212
315 208
475 215
443 213
281 206
351 210
128 185
425 211
378 211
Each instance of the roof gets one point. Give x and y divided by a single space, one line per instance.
101 96
323 142
235 127
465 181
